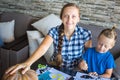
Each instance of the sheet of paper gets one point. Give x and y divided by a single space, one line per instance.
83 76
58 75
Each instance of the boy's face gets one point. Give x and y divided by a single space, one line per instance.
104 44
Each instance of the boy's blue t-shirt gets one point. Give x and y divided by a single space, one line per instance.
98 62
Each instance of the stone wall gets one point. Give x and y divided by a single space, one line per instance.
97 12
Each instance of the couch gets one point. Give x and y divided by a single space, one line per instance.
14 50
20 49
43 25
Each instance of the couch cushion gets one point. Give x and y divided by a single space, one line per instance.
116 71
7 31
32 39
22 21
116 49
44 24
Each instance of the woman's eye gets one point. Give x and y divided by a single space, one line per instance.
65 16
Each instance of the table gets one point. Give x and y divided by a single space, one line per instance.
65 74
52 74
77 75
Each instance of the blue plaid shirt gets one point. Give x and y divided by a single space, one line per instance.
72 49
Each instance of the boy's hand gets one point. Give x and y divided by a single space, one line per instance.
93 73
83 65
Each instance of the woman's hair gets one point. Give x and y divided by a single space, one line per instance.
110 33
60 40
69 5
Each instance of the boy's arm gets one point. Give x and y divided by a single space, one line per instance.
107 74
82 65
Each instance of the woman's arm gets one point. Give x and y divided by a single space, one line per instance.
40 51
34 57
88 44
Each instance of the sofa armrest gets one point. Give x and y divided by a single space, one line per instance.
20 45
16 54
15 42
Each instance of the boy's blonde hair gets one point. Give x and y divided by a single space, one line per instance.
110 33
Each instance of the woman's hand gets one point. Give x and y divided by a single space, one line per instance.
83 65
17 67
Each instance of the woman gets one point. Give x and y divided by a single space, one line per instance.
69 41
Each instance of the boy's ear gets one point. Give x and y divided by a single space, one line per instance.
113 44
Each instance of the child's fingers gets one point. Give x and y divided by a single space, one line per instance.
93 73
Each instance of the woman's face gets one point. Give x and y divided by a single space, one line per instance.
104 44
70 17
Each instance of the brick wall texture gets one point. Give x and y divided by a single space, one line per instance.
97 12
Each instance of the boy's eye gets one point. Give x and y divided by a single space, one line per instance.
73 16
106 46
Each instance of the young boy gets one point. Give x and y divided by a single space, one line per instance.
98 60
